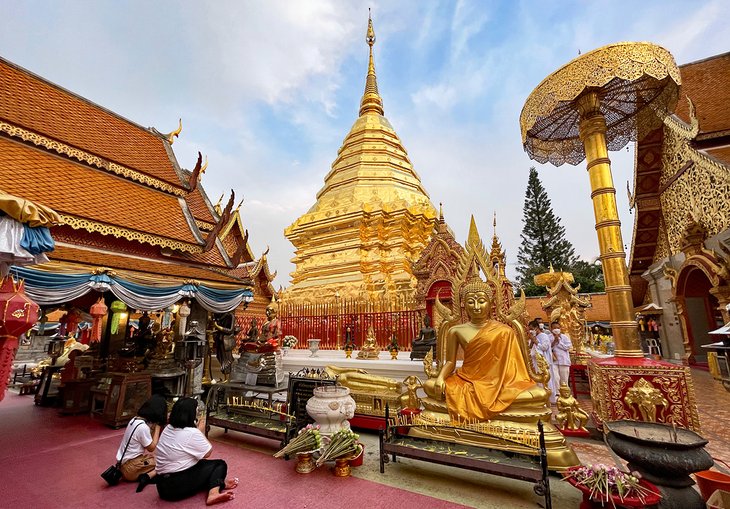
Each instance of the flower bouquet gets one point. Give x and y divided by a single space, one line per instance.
601 483
342 443
307 440
289 342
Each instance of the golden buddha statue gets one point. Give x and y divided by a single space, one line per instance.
494 400
362 381
493 375
370 348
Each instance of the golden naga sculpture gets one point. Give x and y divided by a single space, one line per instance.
494 399
570 415
566 306
370 348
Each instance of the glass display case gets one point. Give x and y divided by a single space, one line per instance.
125 393
253 409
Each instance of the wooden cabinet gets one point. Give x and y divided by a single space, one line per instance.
125 394
76 395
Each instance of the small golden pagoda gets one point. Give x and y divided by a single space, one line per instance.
372 218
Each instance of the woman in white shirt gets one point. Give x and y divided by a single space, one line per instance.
142 434
182 469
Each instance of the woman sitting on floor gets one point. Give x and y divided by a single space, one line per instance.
182 470
142 434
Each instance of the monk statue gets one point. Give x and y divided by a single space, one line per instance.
494 399
224 325
570 415
425 341
269 338
370 348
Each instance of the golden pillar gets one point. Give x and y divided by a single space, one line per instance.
592 132
599 102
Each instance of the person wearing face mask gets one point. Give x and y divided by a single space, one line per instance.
561 346
539 324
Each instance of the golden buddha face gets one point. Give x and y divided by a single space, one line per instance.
271 311
477 304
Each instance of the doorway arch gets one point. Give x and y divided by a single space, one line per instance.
698 310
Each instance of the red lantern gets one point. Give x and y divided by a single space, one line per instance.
98 311
17 315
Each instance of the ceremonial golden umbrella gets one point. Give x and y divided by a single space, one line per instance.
598 102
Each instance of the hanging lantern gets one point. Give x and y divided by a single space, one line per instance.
118 307
17 315
98 311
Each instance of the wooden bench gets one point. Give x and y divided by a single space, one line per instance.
531 468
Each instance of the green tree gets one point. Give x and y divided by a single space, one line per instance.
543 238
589 276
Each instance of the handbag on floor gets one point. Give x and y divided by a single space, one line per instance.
113 474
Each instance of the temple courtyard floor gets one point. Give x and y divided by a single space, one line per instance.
53 461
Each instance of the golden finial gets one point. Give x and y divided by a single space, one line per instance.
370 36
495 223
202 170
473 237
174 134
441 212
371 100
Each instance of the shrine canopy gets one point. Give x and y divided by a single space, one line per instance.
48 288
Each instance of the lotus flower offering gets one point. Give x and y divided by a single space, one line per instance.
308 440
604 483
342 443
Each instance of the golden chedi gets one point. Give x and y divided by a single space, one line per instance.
372 218
494 400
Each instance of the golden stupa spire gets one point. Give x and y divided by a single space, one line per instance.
371 100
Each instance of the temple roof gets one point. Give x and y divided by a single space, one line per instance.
700 83
78 191
117 185
45 108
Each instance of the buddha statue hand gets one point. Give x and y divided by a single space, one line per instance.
434 388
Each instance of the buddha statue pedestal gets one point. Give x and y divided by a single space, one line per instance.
515 429
259 369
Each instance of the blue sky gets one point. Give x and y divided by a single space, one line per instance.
269 89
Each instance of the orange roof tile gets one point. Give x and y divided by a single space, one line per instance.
198 207
30 101
79 190
93 259
212 257
706 82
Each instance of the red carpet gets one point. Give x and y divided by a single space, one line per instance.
51 461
